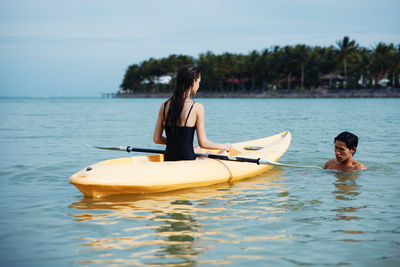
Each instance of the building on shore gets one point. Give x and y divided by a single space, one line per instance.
332 80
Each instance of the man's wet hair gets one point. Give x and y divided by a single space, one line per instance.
351 140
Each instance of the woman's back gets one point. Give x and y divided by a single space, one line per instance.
180 138
188 115
180 117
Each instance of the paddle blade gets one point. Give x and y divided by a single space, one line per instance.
120 148
267 162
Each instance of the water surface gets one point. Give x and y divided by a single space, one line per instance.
284 217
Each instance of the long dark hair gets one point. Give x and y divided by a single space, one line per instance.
184 80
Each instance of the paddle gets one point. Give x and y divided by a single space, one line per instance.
258 161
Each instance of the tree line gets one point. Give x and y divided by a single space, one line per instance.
298 67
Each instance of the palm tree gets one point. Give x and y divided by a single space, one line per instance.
320 61
276 61
346 50
270 66
394 64
364 66
383 57
132 79
221 69
313 66
209 77
252 61
289 63
231 62
301 54
262 67
397 65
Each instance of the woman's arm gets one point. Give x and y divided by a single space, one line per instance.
201 132
158 138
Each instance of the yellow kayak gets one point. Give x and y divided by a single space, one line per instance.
151 174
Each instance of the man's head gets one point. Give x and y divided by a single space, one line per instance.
350 139
345 145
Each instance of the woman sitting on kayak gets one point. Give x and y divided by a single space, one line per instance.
180 116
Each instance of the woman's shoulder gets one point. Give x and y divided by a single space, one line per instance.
165 103
198 106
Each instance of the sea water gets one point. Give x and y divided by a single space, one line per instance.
284 217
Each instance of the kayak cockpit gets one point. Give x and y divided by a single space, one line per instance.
158 157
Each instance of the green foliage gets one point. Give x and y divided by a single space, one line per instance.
290 67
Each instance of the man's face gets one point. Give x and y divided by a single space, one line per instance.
342 152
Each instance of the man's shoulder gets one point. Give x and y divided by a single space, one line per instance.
360 166
330 163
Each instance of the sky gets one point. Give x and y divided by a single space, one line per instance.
58 48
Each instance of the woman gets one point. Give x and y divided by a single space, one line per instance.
180 116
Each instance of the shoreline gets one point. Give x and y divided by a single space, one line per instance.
283 93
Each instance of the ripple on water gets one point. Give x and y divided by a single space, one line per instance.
285 218
180 227
21 167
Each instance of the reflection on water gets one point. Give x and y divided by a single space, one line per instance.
347 189
298 218
177 227
346 186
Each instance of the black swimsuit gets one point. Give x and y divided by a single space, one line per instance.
179 141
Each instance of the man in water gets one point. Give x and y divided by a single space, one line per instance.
345 147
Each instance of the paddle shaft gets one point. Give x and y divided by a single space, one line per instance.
258 161
211 156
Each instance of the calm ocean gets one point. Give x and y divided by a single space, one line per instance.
284 217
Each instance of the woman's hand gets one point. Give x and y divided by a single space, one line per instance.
226 147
